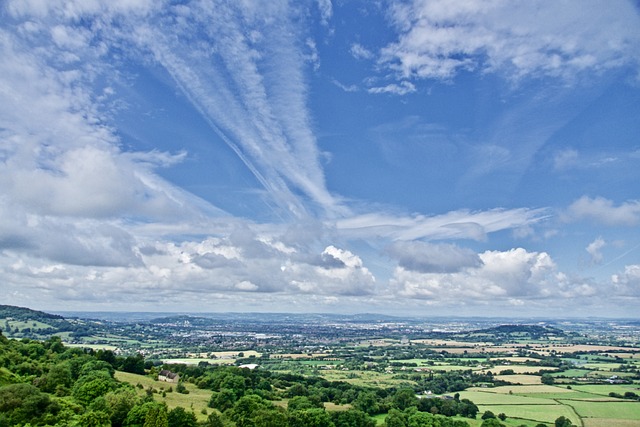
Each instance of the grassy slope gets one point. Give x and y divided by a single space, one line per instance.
196 400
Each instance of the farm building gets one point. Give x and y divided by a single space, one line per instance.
168 376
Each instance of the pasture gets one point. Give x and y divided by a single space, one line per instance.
196 400
585 405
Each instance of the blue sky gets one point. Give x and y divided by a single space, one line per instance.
400 157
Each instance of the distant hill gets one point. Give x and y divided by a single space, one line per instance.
23 313
520 331
21 322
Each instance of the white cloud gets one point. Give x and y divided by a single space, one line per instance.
595 250
246 75
627 283
326 11
509 276
360 52
438 38
403 88
603 211
248 80
346 88
460 224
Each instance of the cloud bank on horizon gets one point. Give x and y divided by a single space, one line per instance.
417 157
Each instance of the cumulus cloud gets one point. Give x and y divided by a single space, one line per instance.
595 250
341 272
627 283
509 276
604 211
426 257
438 39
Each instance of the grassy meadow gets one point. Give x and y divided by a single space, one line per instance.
584 405
197 399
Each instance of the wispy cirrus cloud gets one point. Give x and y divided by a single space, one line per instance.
246 74
460 224
247 77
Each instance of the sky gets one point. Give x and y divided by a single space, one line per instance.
414 157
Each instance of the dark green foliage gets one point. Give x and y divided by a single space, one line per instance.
133 364
156 417
563 422
92 385
368 402
246 408
94 419
488 415
547 379
223 399
404 398
215 420
491 422
120 403
396 418
275 417
23 403
352 418
179 417
299 403
314 417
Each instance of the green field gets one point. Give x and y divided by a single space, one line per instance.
572 373
585 405
196 400
610 410
539 413
484 398
605 389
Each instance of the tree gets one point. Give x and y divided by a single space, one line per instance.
223 399
395 418
275 417
547 379
491 422
94 419
89 387
133 364
352 418
179 417
405 398
299 403
245 408
421 419
563 421
138 414
156 417
214 420
367 401
314 417
487 415
120 403
22 403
